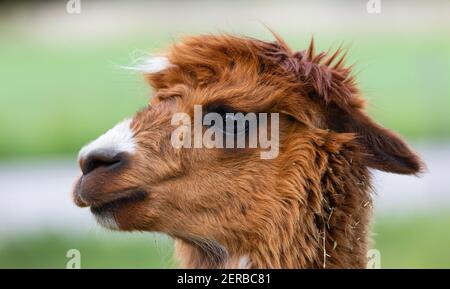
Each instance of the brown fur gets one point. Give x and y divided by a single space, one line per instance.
308 208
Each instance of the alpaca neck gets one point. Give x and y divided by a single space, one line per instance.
324 220
333 205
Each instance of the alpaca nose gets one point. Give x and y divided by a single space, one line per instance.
100 159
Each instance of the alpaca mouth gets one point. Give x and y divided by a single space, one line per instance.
118 203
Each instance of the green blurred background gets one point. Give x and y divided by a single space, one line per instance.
61 85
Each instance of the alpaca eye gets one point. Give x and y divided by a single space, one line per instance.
232 122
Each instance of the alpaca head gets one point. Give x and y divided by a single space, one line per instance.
134 178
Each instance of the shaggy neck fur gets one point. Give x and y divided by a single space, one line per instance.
321 218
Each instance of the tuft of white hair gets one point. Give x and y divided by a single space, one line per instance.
107 220
153 64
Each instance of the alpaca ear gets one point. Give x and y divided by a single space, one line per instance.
333 87
385 150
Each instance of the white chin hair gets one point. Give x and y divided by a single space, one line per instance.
107 220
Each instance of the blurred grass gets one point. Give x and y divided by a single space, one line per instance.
107 250
53 99
404 242
419 241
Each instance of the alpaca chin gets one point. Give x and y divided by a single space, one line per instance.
107 220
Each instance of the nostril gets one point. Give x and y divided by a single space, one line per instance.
97 160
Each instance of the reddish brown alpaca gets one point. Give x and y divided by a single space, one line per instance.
308 208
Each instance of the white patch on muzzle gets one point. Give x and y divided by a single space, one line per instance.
118 139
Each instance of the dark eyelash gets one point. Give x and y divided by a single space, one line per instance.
221 109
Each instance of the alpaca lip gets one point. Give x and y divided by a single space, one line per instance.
133 197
